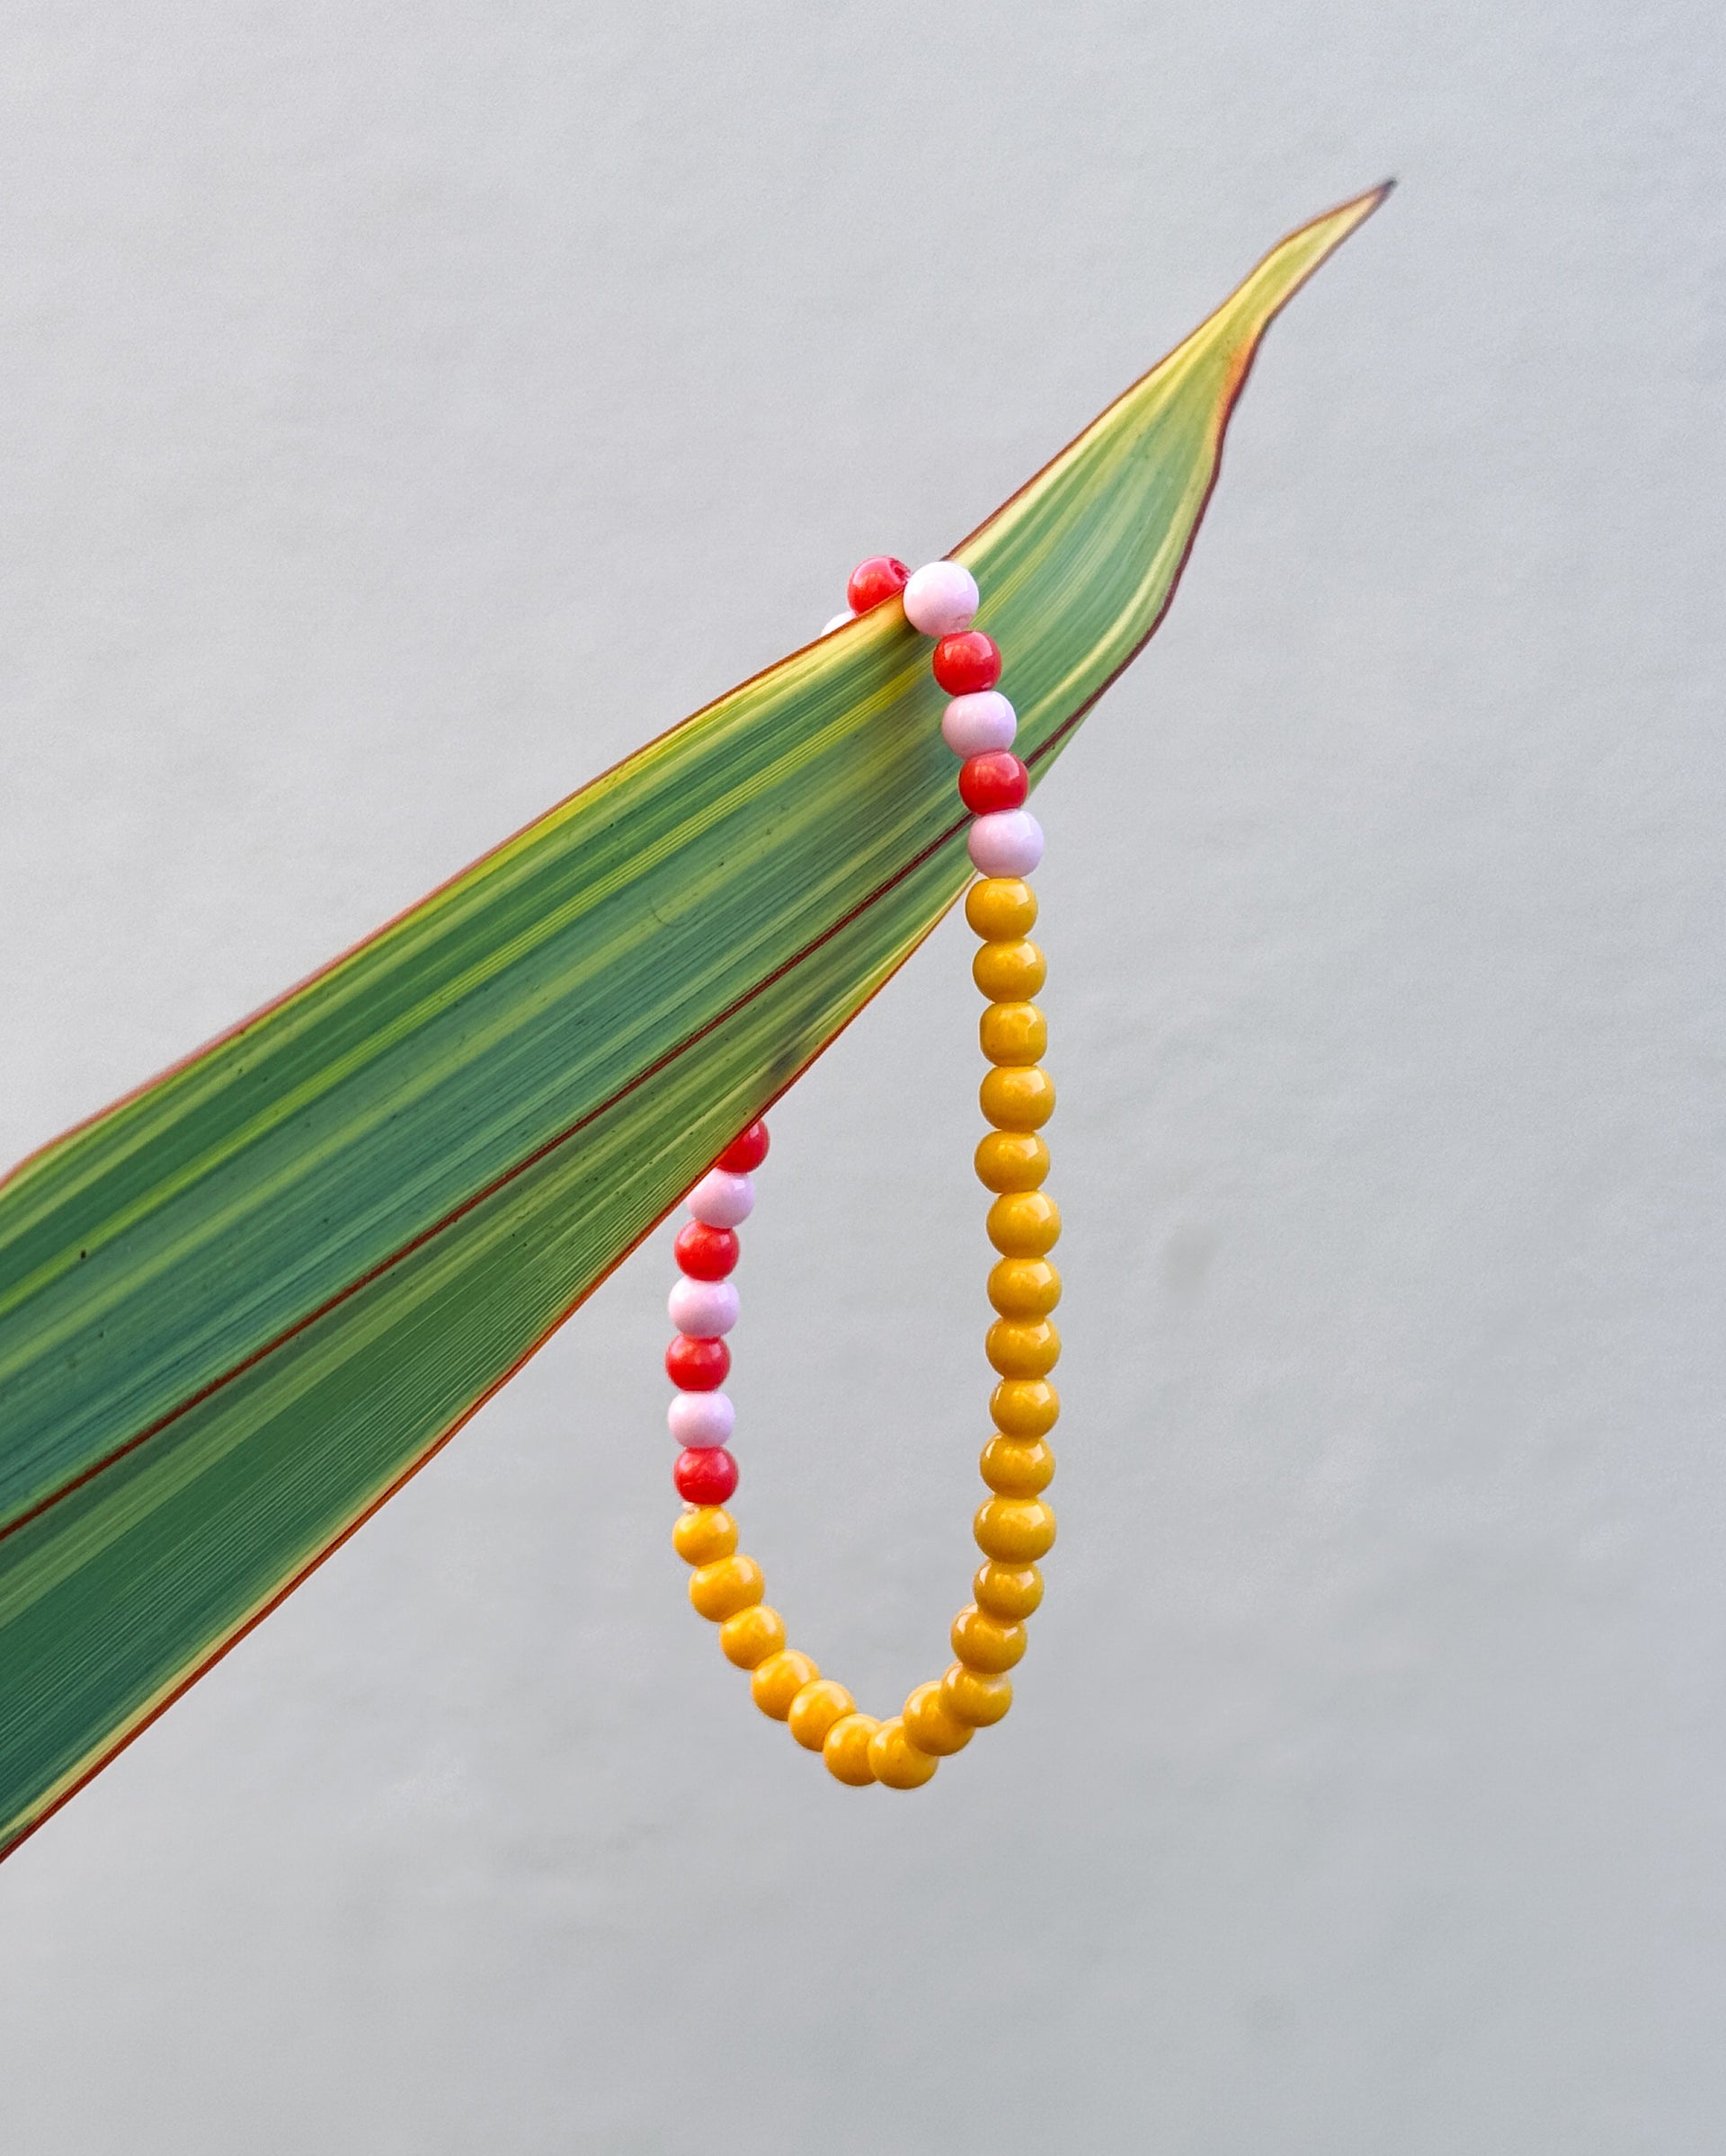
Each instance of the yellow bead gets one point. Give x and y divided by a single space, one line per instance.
1008 1592
972 1697
985 1643
1017 1098
1023 1287
1024 1223
1013 1032
1012 1160
1009 973
847 1749
1016 1467
1025 1407
748 1639
896 1760
815 1710
703 1534
1001 906
1016 1530
1022 1350
720 1589
930 1725
779 1679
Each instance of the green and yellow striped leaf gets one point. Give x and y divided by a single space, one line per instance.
241 1307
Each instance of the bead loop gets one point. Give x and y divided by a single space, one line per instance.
1014 1526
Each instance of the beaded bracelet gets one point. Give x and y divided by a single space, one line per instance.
1014 1527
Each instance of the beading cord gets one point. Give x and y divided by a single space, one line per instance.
1014 1526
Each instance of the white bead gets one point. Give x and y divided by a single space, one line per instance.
973 726
942 597
839 621
1009 843
722 1199
703 1309
700 1420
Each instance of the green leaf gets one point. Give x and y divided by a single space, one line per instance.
241 1307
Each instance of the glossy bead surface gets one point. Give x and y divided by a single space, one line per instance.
1025 1407
966 664
975 725
1018 1096
1009 1161
746 1151
697 1365
815 1710
779 1679
930 1724
983 1643
720 1589
871 582
702 1420
1012 1032
972 1697
1022 1347
721 1199
838 621
1001 907
706 1253
1011 1592
941 598
1023 1287
1009 844
988 784
1014 1530
1009 973
703 1309
1024 1223
896 1760
748 1639
704 1475
846 1750
1016 1467
705 1535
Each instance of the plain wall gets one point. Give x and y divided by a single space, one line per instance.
404 411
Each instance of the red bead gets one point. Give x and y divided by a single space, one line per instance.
747 1151
697 1365
706 1253
997 780
872 582
706 1477
965 664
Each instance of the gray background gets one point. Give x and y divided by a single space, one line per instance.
408 410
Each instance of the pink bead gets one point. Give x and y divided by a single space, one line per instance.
975 725
1007 844
700 1419
942 597
703 1309
722 1199
839 621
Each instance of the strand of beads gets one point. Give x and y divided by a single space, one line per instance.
1015 1526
